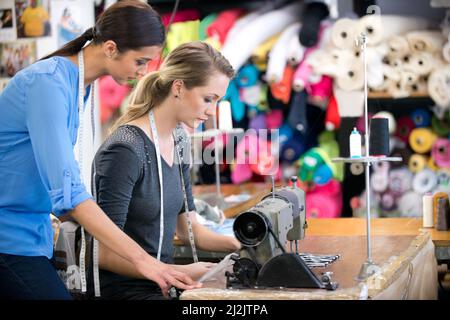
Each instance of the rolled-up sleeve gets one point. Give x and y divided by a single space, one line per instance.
47 120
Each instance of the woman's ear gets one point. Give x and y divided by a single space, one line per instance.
110 49
177 87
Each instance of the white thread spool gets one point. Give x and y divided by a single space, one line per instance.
427 202
225 121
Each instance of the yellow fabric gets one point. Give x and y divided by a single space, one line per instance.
33 20
260 54
182 32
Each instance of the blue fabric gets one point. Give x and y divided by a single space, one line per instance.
38 171
30 278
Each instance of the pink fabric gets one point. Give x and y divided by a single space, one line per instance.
274 119
111 96
301 75
181 16
324 201
441 153
223 23
322 89
241 173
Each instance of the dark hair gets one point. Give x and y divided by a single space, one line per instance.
131 24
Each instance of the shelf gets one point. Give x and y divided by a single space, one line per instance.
385 95
367 159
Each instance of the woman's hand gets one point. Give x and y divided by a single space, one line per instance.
195 270
166 275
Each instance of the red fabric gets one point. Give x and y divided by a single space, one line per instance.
332 117
111 96
282 90
274 119
181 16
223 23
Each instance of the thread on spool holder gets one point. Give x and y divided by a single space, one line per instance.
379 136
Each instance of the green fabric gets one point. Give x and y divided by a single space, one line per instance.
204 24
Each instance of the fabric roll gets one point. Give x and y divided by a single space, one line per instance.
222 24
323 175
297 112
257 31
441 153
381 27
352 79
301 76
408 78
237 106
398 46
410 204
432 165
439 86
111 96
425 41
397 90
274 119
404 127
260 55
332 117
424 181
421 140
324 201
181 16
388 201
258 122
421 63
247 76
443 180
400 180
291 150
285 133
240 173
295 51
312 16
374 56
239 25
421 118
441 126
343 33
282 90
417 163
250 95
357 168
446 52
350 103
204 24
278 56
379 181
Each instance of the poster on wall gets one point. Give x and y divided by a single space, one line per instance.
33 18
7 21
70 18
14 56
3 83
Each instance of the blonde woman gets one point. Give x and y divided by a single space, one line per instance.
141 157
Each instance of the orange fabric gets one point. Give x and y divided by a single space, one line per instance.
282 90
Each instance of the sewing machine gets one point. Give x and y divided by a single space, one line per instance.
264 232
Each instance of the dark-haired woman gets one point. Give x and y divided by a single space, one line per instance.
39 119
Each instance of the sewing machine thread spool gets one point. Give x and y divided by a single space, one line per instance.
379 136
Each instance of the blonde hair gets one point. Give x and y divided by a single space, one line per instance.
192 62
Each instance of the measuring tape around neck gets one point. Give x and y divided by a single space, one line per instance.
160 175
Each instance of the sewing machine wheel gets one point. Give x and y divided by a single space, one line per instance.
246 270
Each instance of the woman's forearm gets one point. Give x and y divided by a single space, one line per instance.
97 223
111 261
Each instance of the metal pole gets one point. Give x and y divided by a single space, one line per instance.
367 133
216 155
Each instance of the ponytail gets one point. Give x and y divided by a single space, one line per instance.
74 46
150 91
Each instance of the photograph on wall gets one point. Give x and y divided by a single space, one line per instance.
70 18
7 21
14 56
3 83
33 18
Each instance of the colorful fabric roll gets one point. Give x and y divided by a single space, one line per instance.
295 51
282 90
278 56
441 152
297 112
111 96
223 23
274 119
421 118
400 180
237 106
404 127
257 31
441 126
388 201
240 173
443 180
291 150
251 95
285 133
258 122
247 76
181 16
417 163
204 24
261 53
424 181
421 140
324 201
332 117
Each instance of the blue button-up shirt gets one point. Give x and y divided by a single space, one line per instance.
38 172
